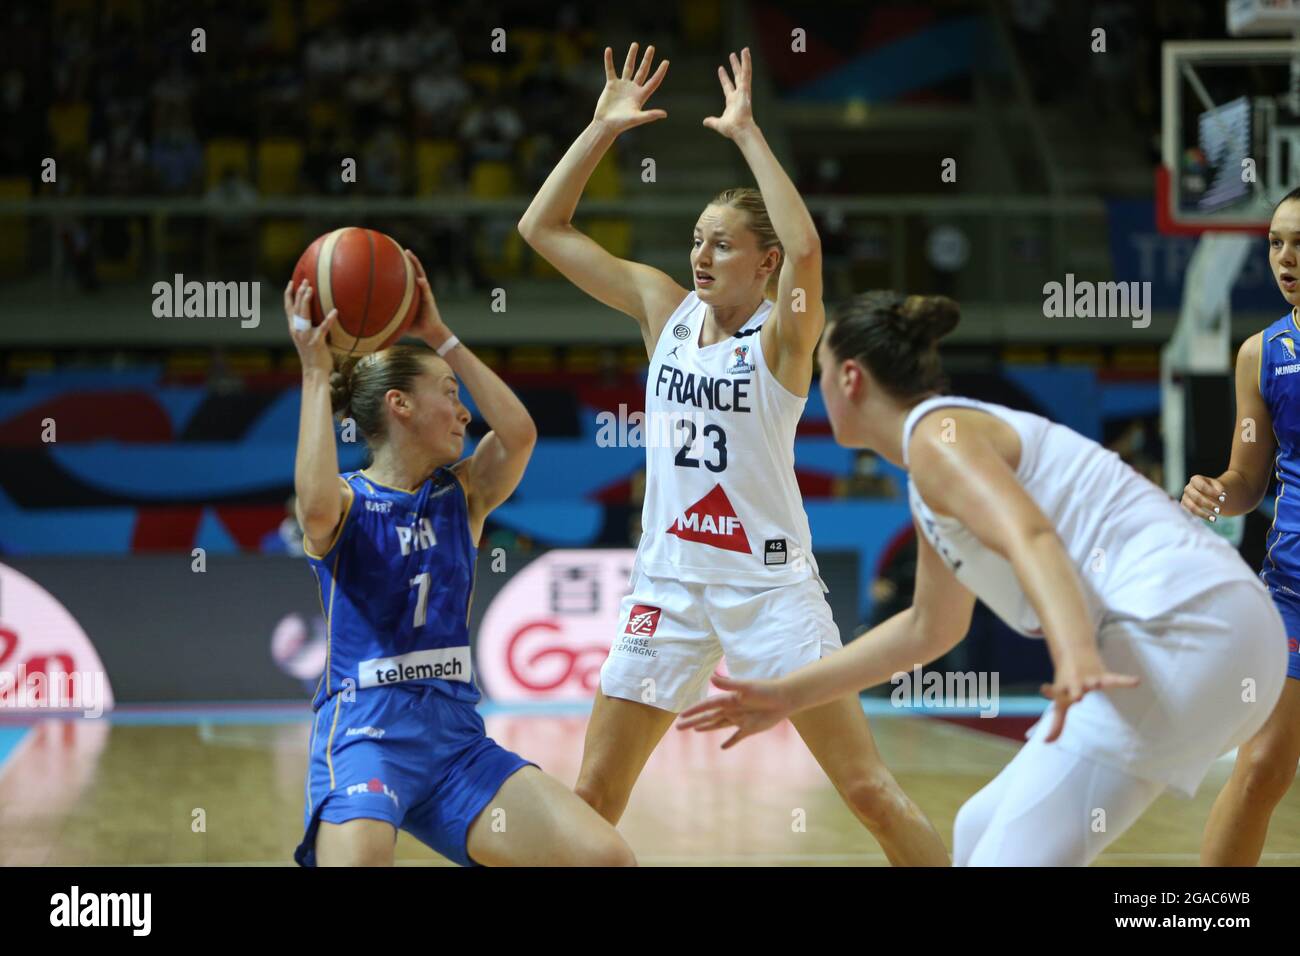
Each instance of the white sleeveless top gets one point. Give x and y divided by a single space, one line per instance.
1137 552
722 505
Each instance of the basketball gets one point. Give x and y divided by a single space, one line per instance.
365 275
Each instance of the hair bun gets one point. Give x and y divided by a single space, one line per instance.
340 391
930 316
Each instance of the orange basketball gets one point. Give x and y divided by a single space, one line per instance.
363 274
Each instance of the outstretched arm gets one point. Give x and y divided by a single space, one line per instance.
797 319
935 623
970 480
645 293
495 469
322 497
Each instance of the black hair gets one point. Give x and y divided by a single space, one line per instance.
895 337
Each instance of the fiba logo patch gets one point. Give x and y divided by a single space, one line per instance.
643 620
742 363
680 331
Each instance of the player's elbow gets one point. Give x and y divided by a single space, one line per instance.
318 526
532 231
805 250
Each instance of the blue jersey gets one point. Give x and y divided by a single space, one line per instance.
1279 386
395 587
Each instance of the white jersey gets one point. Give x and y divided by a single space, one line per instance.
722 505
1137 552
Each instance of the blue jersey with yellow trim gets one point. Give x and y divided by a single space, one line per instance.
395 587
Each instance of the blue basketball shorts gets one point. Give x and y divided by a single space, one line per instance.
1286 595
408 755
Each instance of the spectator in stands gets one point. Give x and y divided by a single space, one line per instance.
491 130
176 160
438 96
328 55
383 171
322 166
232 236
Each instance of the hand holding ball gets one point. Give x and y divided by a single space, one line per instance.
367 278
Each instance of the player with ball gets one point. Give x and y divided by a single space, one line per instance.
396 742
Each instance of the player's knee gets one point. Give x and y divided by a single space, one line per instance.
609 850
1265 777
354 847
876 797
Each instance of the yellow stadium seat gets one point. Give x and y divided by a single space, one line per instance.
283 241
22 362
606 181
324 114
532 358
432 158
1079 355
632 358
70 126
1024 355
13 229
279 164
188 362
1136 358
249 361
116 264
318 13
221 154
580 359
284 26
612 235
701 22
131 11
73 8
486 76
492 179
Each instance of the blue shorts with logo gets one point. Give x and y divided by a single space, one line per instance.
1286 595
408 755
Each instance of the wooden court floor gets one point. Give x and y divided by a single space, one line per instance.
95 793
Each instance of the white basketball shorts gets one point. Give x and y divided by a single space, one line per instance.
672 634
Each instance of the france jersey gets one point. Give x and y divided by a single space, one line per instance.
395 587
1279 386
396 736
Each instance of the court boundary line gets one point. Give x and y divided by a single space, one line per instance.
280 711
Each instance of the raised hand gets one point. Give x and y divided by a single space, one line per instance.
312 342
1072 681
428 324
751 706
738 114
620 104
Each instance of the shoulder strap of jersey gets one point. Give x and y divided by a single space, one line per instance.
920 410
